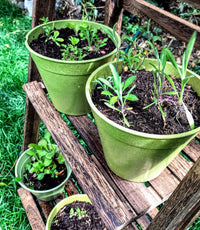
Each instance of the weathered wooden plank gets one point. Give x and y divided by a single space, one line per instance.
183 206
46 207
44 8
193 150
141 198
164 184
32 211
178 27
114 213
113 14
180 166
195 3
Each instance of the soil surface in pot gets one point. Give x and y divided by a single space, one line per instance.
50 49
150 120
48 182
89 220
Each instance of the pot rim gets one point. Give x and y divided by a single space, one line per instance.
70 62
39 191
127 130
62 203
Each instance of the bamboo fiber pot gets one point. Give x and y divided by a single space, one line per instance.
65 80
45 195
133 155
64 202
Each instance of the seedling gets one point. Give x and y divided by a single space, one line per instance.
182 74
116 92
46 28
44 156
72 52
54 38
78 212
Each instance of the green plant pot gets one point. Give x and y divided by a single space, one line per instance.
65 80
133 155
61 204
45 195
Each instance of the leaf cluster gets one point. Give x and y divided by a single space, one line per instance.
44 157
115 90
78 212
160 77
72 52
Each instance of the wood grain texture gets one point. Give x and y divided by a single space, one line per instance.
195 3
183 206
178 27
44 8
180 166
113 14
32 211
193 150
159 184
141 198
114 213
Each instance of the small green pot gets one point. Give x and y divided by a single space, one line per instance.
45 195
65 80
61 204
133 155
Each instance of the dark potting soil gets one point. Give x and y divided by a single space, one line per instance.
50 49
47 182
150 120
90 220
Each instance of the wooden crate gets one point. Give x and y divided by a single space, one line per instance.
117 201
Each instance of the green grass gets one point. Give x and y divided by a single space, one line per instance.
13 74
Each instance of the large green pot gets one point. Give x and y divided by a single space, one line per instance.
65 80
64 202
45 195
133 155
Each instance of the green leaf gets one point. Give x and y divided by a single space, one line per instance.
131 97
43 144
60 158
189 116
47 162
42 153
113 100
170 56
106 82
107 93
31 153
34 146
47 135
40 176
128 82
116 77
189 51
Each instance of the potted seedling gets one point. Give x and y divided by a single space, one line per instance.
66 52
137 115
43 169
74 212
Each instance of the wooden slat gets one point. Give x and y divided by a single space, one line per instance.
141 198
193 150
181 209
178 27
180 166
113 13
44 8
195 3
165 184
32 211
114 213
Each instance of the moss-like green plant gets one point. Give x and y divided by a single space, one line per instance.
44 156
